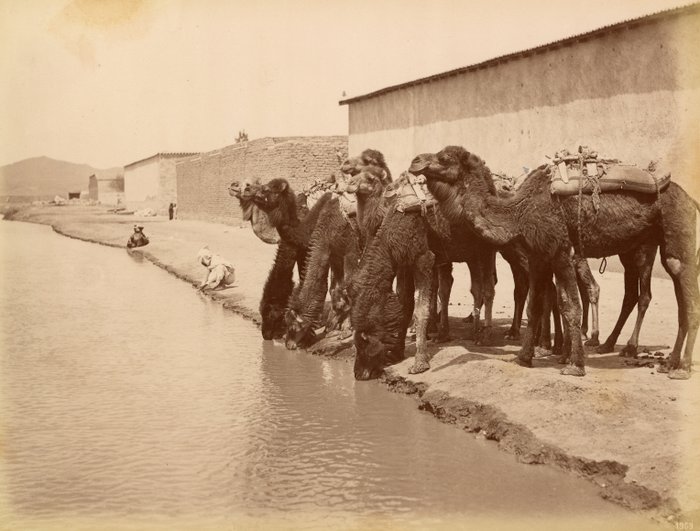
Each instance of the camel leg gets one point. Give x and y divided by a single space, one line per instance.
434 315
423 281
487 267
405 291
540 276
590 294
520 290
477 295
333 321
446 280
629 301
544 330
559 348
685 285
643 262
691 299
570 308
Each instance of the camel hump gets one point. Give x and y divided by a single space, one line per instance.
594 175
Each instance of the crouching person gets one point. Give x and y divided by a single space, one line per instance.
137 239
220 273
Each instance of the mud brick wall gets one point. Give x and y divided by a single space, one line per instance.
202 182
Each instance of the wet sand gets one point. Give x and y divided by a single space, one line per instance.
629 429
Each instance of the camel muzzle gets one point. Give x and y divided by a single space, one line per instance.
419 164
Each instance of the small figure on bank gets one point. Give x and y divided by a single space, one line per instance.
138 238
171 211
220 273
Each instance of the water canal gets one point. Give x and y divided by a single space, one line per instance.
127 399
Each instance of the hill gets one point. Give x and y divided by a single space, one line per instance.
44 176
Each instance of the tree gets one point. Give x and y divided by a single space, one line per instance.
242 136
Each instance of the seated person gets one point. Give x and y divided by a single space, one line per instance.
220 273
138 238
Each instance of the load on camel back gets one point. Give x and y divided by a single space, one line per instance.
585 173
555 227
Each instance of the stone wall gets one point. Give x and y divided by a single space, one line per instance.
202 181
630 91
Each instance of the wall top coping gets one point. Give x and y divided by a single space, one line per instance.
690 9
268 141
165 155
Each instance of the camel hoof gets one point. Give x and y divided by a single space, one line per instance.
419 367
523 363
679 374
662 369
605 348
563 360
511 335
542 352
593 342
573 370
629 351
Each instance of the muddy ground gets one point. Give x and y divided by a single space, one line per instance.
626 427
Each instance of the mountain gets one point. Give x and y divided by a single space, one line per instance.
44 176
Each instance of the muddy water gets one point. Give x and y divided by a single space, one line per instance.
128 400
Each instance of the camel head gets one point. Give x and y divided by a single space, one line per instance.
244 191
272 321
300 332
380 341
278 200
370 181
449 165
368 158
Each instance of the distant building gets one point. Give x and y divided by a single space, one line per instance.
151 182
202 181
107 190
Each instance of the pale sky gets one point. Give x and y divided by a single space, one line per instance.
108 82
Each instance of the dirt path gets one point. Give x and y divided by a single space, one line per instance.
631 430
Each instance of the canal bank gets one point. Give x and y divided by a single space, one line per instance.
631 431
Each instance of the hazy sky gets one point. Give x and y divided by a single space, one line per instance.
108 82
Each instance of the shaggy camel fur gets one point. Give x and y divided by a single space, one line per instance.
624 221
278 201
335 244
379 317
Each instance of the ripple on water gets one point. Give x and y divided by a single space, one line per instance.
128 399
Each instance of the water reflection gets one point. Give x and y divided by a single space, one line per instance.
126 397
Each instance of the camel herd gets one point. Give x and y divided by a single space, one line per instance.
389 245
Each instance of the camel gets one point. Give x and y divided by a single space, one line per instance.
335 244
623 221
278 201
380 317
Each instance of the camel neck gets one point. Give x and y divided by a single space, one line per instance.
370 212
489 216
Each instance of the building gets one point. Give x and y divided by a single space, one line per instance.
151 182
630 90
202 181
106 189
